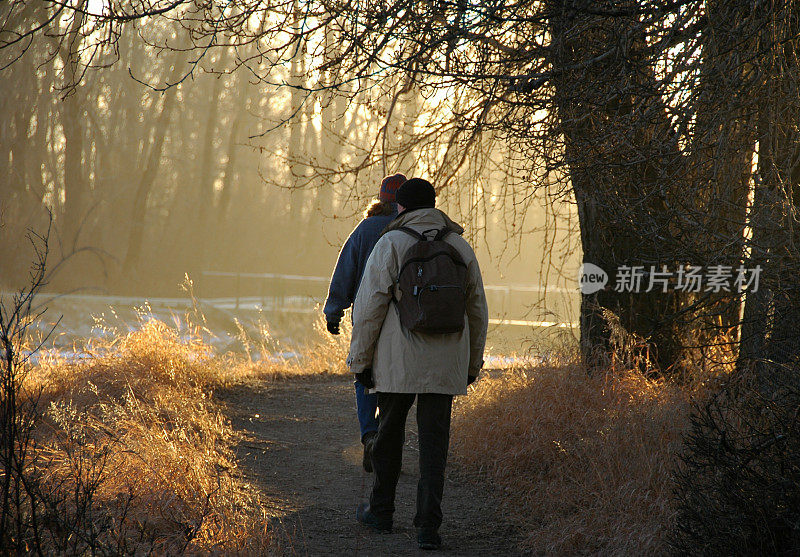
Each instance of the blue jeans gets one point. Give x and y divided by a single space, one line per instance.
366 406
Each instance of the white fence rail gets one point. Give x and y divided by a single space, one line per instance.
280 281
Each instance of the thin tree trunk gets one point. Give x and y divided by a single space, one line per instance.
232 150
770 329
722 153
150 172
75 184
297 170
203 194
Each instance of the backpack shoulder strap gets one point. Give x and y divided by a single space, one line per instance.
442 233
411 232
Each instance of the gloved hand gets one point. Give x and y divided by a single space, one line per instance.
471 379
333 327
365 378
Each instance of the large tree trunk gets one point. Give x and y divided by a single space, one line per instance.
630 178
619 146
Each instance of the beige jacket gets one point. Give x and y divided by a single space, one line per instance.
403 361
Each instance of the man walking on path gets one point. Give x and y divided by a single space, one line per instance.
344 285
417 337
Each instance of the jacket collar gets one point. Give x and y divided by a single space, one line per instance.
428 217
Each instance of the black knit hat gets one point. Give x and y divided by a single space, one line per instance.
415 194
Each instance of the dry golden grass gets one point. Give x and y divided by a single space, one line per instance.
582 464
132 443
322 354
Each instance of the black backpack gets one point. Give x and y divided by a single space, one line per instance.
433 285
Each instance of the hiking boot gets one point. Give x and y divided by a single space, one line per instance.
369 444
365 517
428 538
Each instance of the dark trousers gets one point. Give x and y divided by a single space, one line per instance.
433 421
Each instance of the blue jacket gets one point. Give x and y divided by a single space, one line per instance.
350 266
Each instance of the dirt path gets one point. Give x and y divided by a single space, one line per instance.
304 453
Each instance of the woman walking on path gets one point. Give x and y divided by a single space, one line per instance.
344 286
